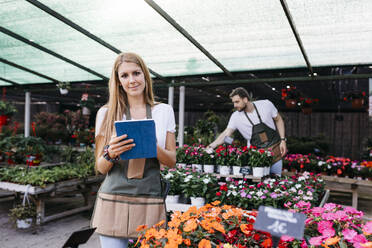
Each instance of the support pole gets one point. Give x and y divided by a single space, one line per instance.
171 95
181 116
27 113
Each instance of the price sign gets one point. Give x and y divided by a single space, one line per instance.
280 222
245 170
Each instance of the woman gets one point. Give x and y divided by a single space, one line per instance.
125 201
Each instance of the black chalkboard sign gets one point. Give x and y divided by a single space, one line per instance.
79 237
246 170
280 222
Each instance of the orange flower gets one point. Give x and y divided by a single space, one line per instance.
215 203
187 242
150 233
368 245
204 243
175 222
207 225
217 226
161 234
174 237
267 243
331 241
171 245
190 225
160 223
141 227
246 228
226 207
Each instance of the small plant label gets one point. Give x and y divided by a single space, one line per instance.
245 171
280 222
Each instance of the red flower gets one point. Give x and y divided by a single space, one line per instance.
218 194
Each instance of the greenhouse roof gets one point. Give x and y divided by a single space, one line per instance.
49 40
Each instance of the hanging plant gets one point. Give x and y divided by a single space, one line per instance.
356 97
290 96
64 87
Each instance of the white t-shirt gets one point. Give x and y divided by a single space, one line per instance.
162 114
239 121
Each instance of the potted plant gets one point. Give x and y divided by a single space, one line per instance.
290 95
258 160
356 97
174 177
87 103
64 87
209 160
307 104
23 215
6 111
197 186
222 160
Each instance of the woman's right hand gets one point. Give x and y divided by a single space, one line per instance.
118 145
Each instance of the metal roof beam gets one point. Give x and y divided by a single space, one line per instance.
9 81
44 49
82 30
187 35
28 70
268 80
297 36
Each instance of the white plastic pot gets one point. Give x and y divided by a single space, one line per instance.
23 224
197 201
258 171
209 168
172 198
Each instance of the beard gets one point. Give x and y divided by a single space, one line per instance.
242 108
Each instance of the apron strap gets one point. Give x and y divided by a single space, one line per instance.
258 114
148 112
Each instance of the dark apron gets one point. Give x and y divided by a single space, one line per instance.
265 137
124 203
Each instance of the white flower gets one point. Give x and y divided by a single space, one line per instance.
259 193
329 166
309 193
168 176
188 178
301 179
320 163
206 180
300 192
293 190
298 186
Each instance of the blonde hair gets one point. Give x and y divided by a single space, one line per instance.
118 100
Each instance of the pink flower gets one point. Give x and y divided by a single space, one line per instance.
367 229
341 215
317 211
329 216
359 239
326 228
303 244
349 234
329 206
316 240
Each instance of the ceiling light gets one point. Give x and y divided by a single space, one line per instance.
288 86
273 88
218 96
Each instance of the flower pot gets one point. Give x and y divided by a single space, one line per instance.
258 171
236 170
224 169
172 198
26 223
267 170
209 168
197 201
85 111
197 167
63 91
290 103
307 110
4 119
357 103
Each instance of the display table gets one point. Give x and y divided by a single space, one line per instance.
40 194
354 186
